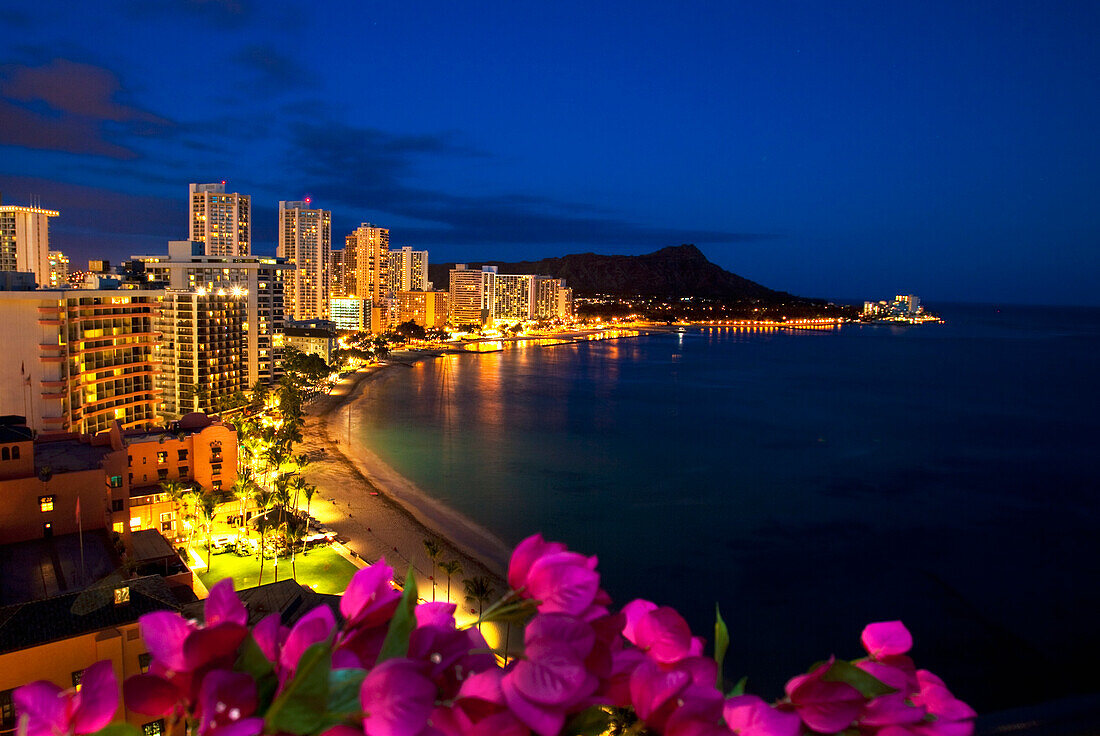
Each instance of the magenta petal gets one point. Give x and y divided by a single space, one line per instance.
203 646
554 678
266 634
397 699
342 730
45 706
665 634
150 695
887 675
223 605
436 614
164 634
826 707
484 686
524 556
749 715
542 719
634 611
564 630
563 583
886 638
315 626
890 710
366 588
243 727
97 700
651 686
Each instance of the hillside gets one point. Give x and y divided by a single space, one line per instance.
672 272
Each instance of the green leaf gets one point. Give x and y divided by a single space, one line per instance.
721 642
252 660
515 613
868 685
396 643
300 708
591 722
118 729
739 688
343 691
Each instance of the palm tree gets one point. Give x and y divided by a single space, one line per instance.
451 567
478 589
207 504
308 489
242 491
175 491
295 533
434 551
263 499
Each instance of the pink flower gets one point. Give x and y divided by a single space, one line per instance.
449 655
953 717
561 581
368 604
552 681
316 626
886 638
48 710
826 707
664 635
655 688
479 710
226 700
397 699
524 556
748 715
699 713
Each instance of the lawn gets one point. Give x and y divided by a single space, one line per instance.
320 567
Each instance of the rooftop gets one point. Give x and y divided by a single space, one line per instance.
69 455
42 568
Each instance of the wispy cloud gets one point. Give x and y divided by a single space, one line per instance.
271 70
222 13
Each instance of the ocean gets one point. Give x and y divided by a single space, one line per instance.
806 481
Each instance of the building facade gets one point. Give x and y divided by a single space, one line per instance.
336 275
261 278
369 274
59 270
407 270
78 360
312 339
305 241
350 313
221 221
426 308
202 350
471 294
25 240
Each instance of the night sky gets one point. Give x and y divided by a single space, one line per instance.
842 149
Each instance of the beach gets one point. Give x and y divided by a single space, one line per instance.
378 513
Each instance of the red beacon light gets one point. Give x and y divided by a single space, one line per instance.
308 200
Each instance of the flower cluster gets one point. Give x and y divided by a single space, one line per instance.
395 668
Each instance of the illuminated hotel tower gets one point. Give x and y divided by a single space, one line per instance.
25 240
371 247
223 222
408 270
305 240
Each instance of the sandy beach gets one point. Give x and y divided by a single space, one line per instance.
381 514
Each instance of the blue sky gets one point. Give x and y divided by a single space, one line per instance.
844 150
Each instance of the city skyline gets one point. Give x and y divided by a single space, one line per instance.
839 152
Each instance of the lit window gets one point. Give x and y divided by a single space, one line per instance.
155 728
162 457
122 595
45 503
77 677
135 523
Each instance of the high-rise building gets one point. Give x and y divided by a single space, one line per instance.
471 294
350 265
201 350
425 308
372 246
59 270
407 270
83 358
336 275
221 221
350 313
262 279
513 297
25 240
305 240
553 299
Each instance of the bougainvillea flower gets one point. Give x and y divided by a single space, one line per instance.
397 699
633 613
664 635
270 635
893 709
564 582
370 600
226 702
826 707
748 715
151 694
223 605
655 688
524 556
48 710
316 626
952 716
886 638
450 655
479 709
551 682
698 713
901 680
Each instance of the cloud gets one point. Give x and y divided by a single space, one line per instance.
365 168
70 106
272 70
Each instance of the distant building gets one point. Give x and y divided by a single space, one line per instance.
99 266
407 270
471 294
262 279
305 240
221 221
336 275
202 350
513 297
313 338
76 361
350 313
25 240
371 246
59 270
425 308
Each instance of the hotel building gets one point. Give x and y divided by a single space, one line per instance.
471 294
369 274
350 313
201 351
221 221
25 240
425 308
305 240
59 270
78 360
336 274
261 278
407 270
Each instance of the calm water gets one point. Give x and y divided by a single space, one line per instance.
808 482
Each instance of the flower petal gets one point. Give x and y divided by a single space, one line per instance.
223 605
886 638
150 695
97 701
397 699
45 705
164 634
